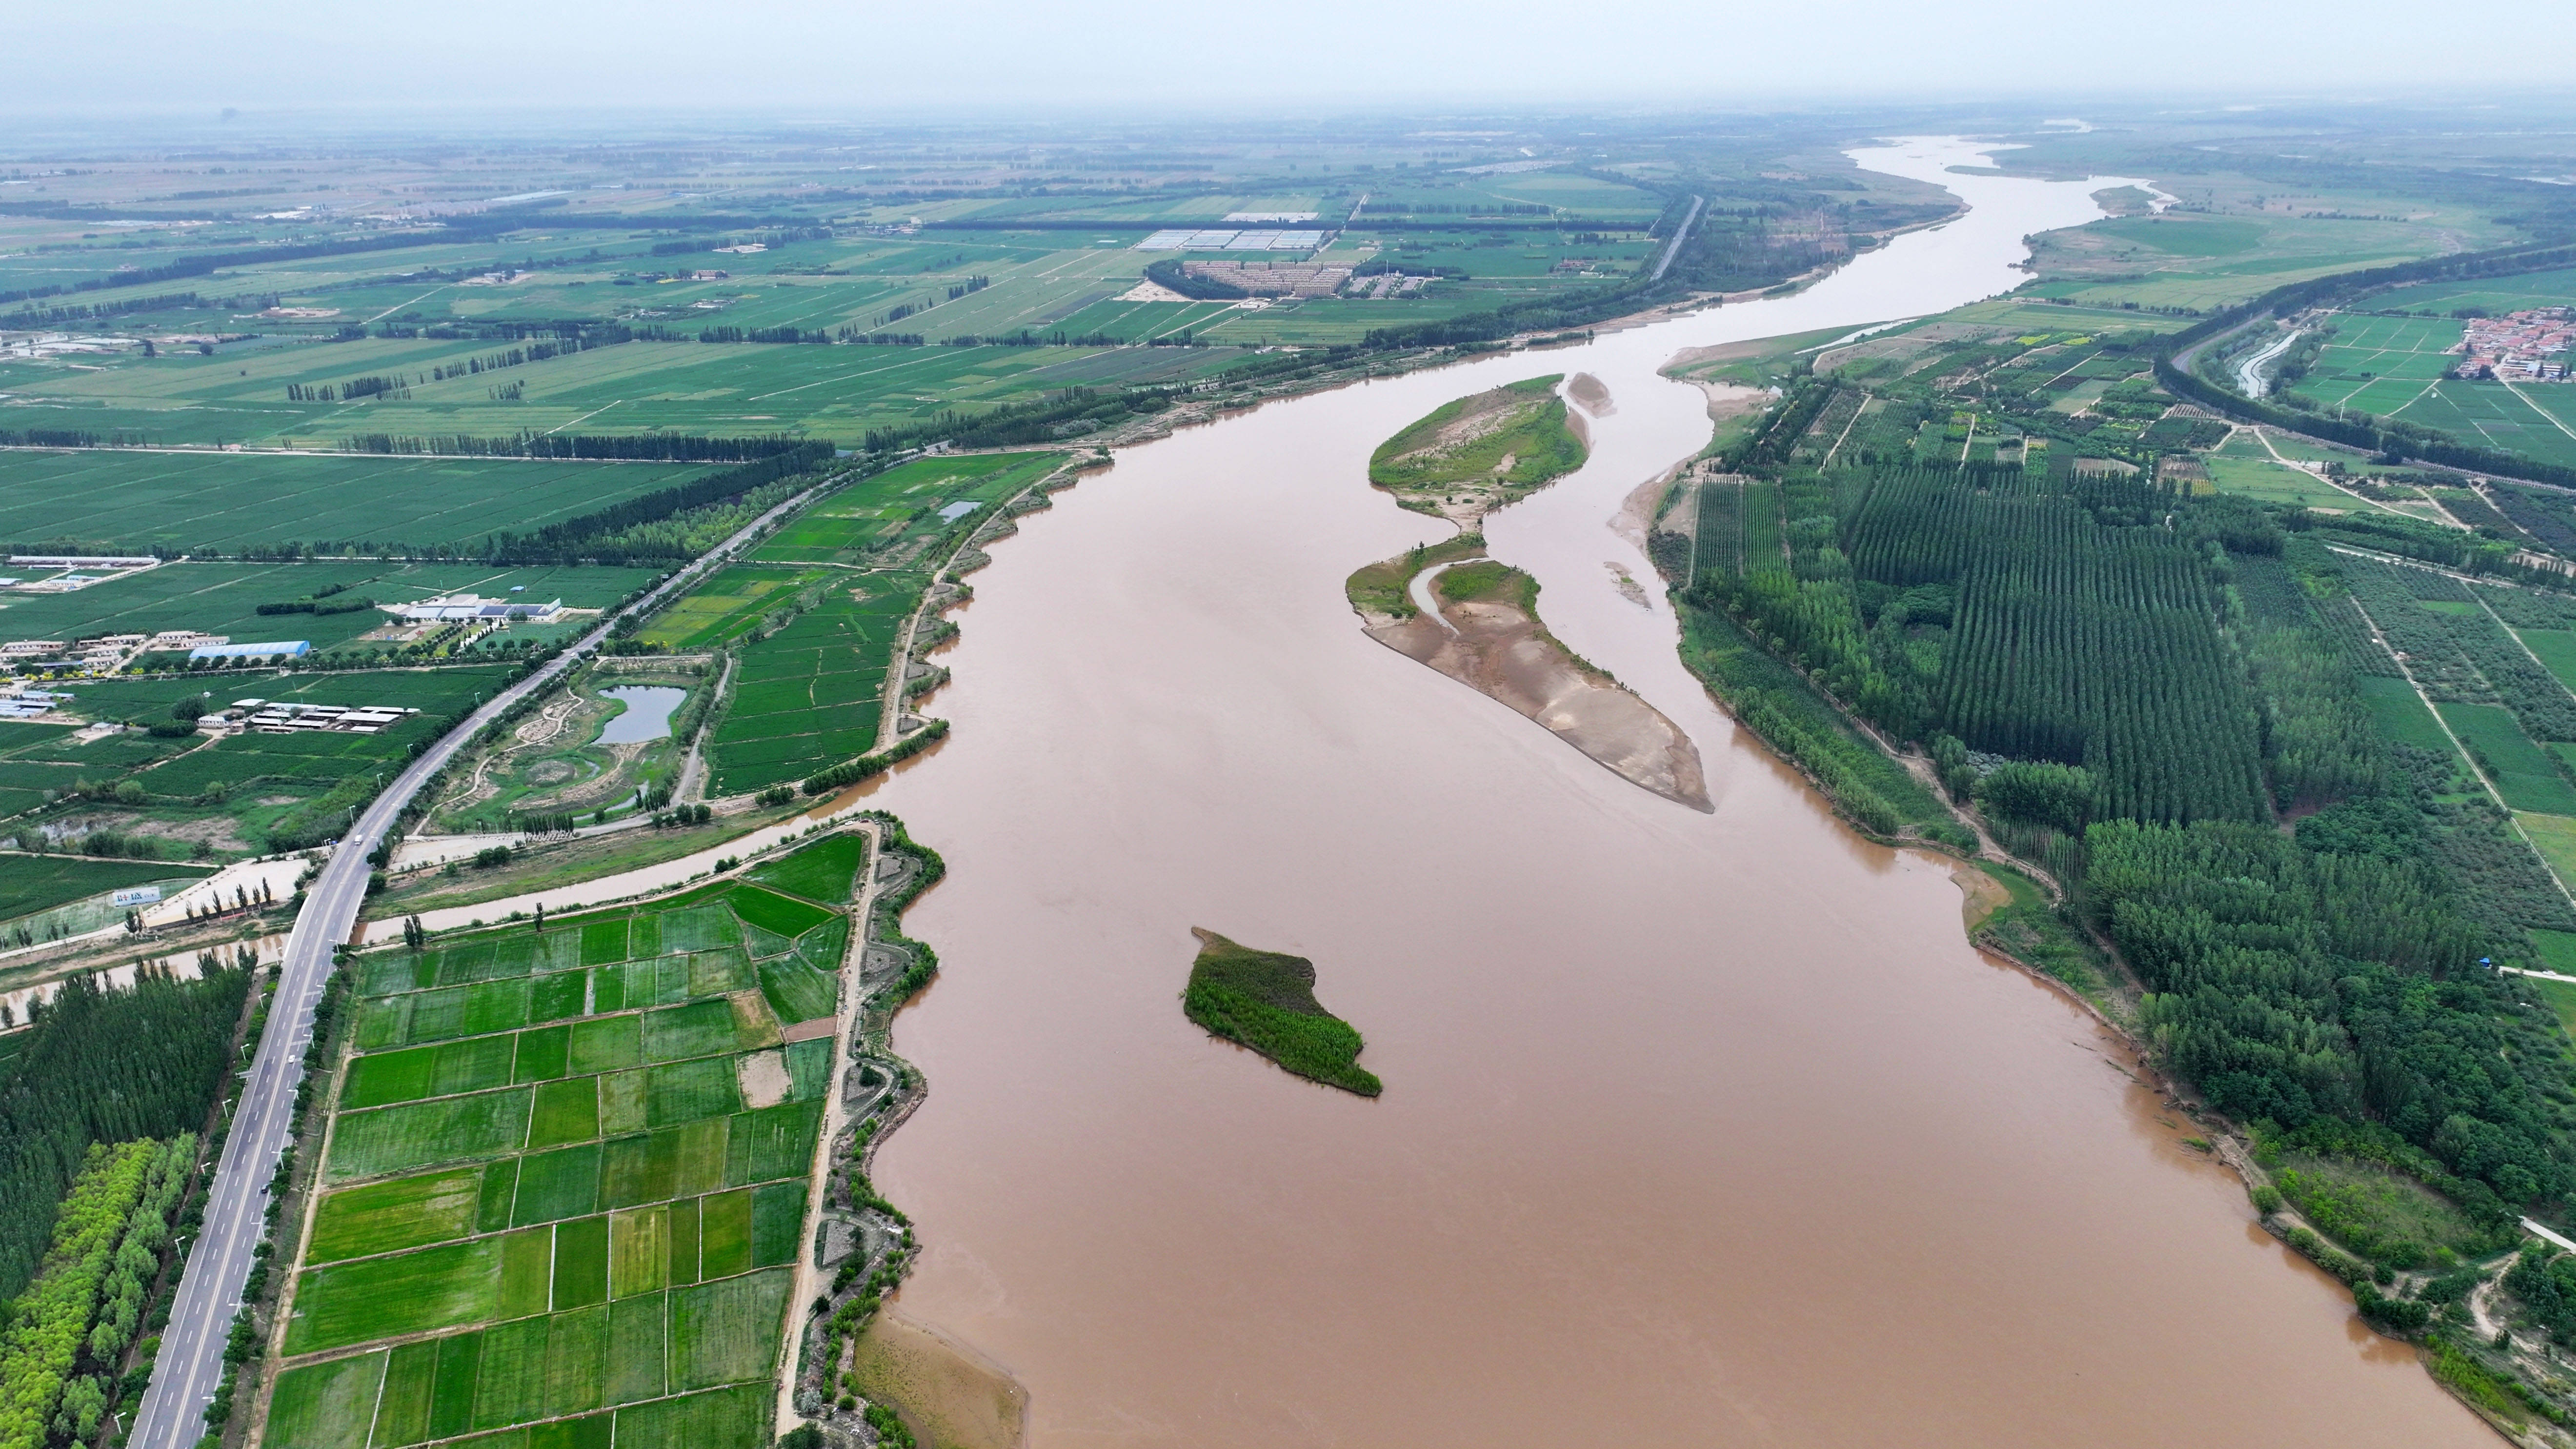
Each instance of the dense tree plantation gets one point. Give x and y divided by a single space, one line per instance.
86 1303
103 1066
2140 690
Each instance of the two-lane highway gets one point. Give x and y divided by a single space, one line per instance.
191 1362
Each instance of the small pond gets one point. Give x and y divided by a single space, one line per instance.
647 715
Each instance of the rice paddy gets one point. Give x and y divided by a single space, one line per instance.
551 1212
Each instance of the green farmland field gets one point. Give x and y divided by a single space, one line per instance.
224 598
224 501
2523 773
31 883
830 594
604 1250
2393 366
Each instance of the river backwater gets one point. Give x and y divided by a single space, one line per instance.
1698 1129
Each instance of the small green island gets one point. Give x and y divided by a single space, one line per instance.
1466 458
1266 1001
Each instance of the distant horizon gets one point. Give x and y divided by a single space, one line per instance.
1000 56
2020 113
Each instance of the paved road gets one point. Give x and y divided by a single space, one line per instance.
191 1362
1680 234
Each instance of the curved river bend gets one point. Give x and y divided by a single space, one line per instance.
1698 1129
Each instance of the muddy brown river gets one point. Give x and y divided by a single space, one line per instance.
1698 1129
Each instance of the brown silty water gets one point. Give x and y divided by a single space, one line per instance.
1698 1129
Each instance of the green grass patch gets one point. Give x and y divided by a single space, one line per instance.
2555 649
2028 929
1265 1000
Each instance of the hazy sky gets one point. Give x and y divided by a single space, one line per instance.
872 56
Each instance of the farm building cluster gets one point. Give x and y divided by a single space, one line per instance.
1224 239
2526 346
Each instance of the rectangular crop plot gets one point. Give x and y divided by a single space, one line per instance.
326 1405
674 1162
384 1077
724 1234
687 1091
558 995
426 1134
558 1184
405 1212
825 871
454 1011
543 1054
639 1250
402 1410
475 1065
771 1143
581 1262
30 883
701 1028
727 1331
430 1288
576 1360
603 942
727 1418
636 1349
566 1111
512 1386
773 912
527 1271
606 1043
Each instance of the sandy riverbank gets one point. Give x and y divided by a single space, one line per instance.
1495 646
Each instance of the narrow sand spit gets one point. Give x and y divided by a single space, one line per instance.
1497 649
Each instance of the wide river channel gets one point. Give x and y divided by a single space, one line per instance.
1698 1129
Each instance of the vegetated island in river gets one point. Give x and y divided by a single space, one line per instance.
1476 620
1266 1001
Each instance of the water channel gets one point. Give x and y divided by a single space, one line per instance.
1698 1129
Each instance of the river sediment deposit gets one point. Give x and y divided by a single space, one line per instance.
1699 1128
